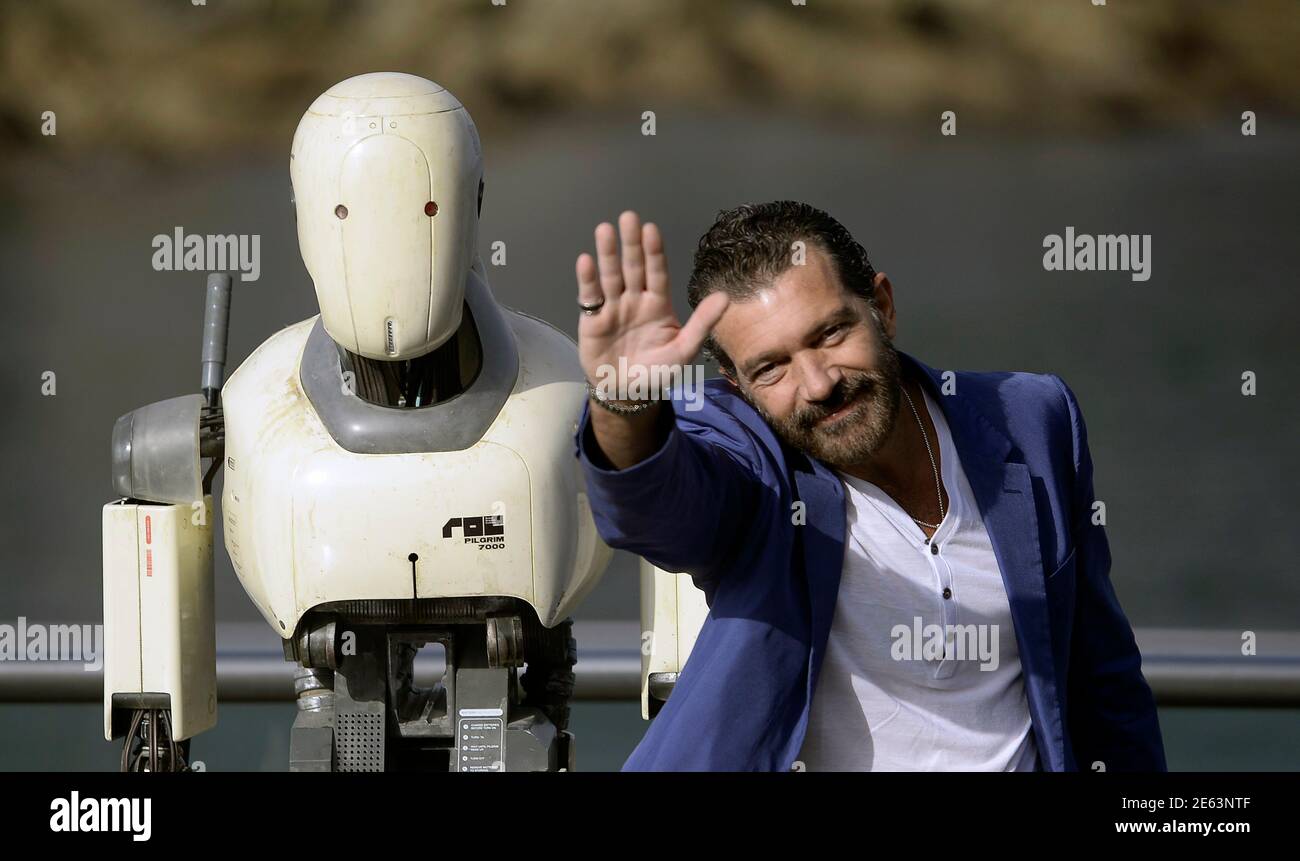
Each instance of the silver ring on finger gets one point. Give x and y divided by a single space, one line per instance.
592 308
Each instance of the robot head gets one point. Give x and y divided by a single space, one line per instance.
387 177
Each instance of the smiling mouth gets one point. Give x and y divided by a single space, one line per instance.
840 413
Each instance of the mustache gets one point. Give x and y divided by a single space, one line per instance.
845 392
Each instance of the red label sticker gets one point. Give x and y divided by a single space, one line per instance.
148 563
148 529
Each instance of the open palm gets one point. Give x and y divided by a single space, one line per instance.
635 323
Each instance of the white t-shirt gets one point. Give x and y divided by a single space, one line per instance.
902 686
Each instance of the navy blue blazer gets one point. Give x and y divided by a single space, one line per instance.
717 501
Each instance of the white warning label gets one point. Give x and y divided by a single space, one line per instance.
480 744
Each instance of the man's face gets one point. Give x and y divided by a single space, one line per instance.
814 361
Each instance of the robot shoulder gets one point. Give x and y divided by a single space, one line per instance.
544 349
277 356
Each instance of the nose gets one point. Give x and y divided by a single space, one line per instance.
817 380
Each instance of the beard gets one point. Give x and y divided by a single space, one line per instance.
873 399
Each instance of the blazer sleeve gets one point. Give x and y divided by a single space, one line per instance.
684 507
1112 712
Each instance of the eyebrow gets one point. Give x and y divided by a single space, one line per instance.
843 314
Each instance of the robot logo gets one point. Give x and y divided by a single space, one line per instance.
487 532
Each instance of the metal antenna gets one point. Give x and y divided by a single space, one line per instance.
216 327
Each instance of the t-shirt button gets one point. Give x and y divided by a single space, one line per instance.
934 549
947 593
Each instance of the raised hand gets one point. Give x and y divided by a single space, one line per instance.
635 322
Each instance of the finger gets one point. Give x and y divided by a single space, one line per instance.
656 262
589 292
629 230
611 273
706 316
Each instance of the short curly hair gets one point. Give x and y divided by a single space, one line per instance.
751 245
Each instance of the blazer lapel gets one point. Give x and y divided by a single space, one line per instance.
822 537
1004 491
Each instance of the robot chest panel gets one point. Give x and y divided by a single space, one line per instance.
418 525
348 526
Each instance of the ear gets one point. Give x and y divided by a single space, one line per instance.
884 295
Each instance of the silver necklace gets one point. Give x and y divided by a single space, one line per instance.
925 436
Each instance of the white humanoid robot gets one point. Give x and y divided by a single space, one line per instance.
399 471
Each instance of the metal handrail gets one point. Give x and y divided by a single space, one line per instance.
1185 667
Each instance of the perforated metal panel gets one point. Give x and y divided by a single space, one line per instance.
359 742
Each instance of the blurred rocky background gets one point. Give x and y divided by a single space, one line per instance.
167 79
